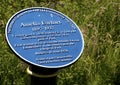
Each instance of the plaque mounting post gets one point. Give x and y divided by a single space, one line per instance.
42 75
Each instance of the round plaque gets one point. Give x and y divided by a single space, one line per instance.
44 37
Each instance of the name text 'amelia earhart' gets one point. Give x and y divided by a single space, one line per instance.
42 23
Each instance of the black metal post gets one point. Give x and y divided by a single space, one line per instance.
43 81
42 76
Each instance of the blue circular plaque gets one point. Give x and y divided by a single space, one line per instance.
44 37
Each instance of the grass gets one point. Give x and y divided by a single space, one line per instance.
99 21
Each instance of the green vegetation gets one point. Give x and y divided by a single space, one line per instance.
99 21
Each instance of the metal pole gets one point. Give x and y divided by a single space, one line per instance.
43 81
42 76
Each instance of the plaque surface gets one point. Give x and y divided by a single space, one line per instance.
44 37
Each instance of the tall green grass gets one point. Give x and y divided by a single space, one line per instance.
99 21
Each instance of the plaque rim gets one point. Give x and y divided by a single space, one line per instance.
32 63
